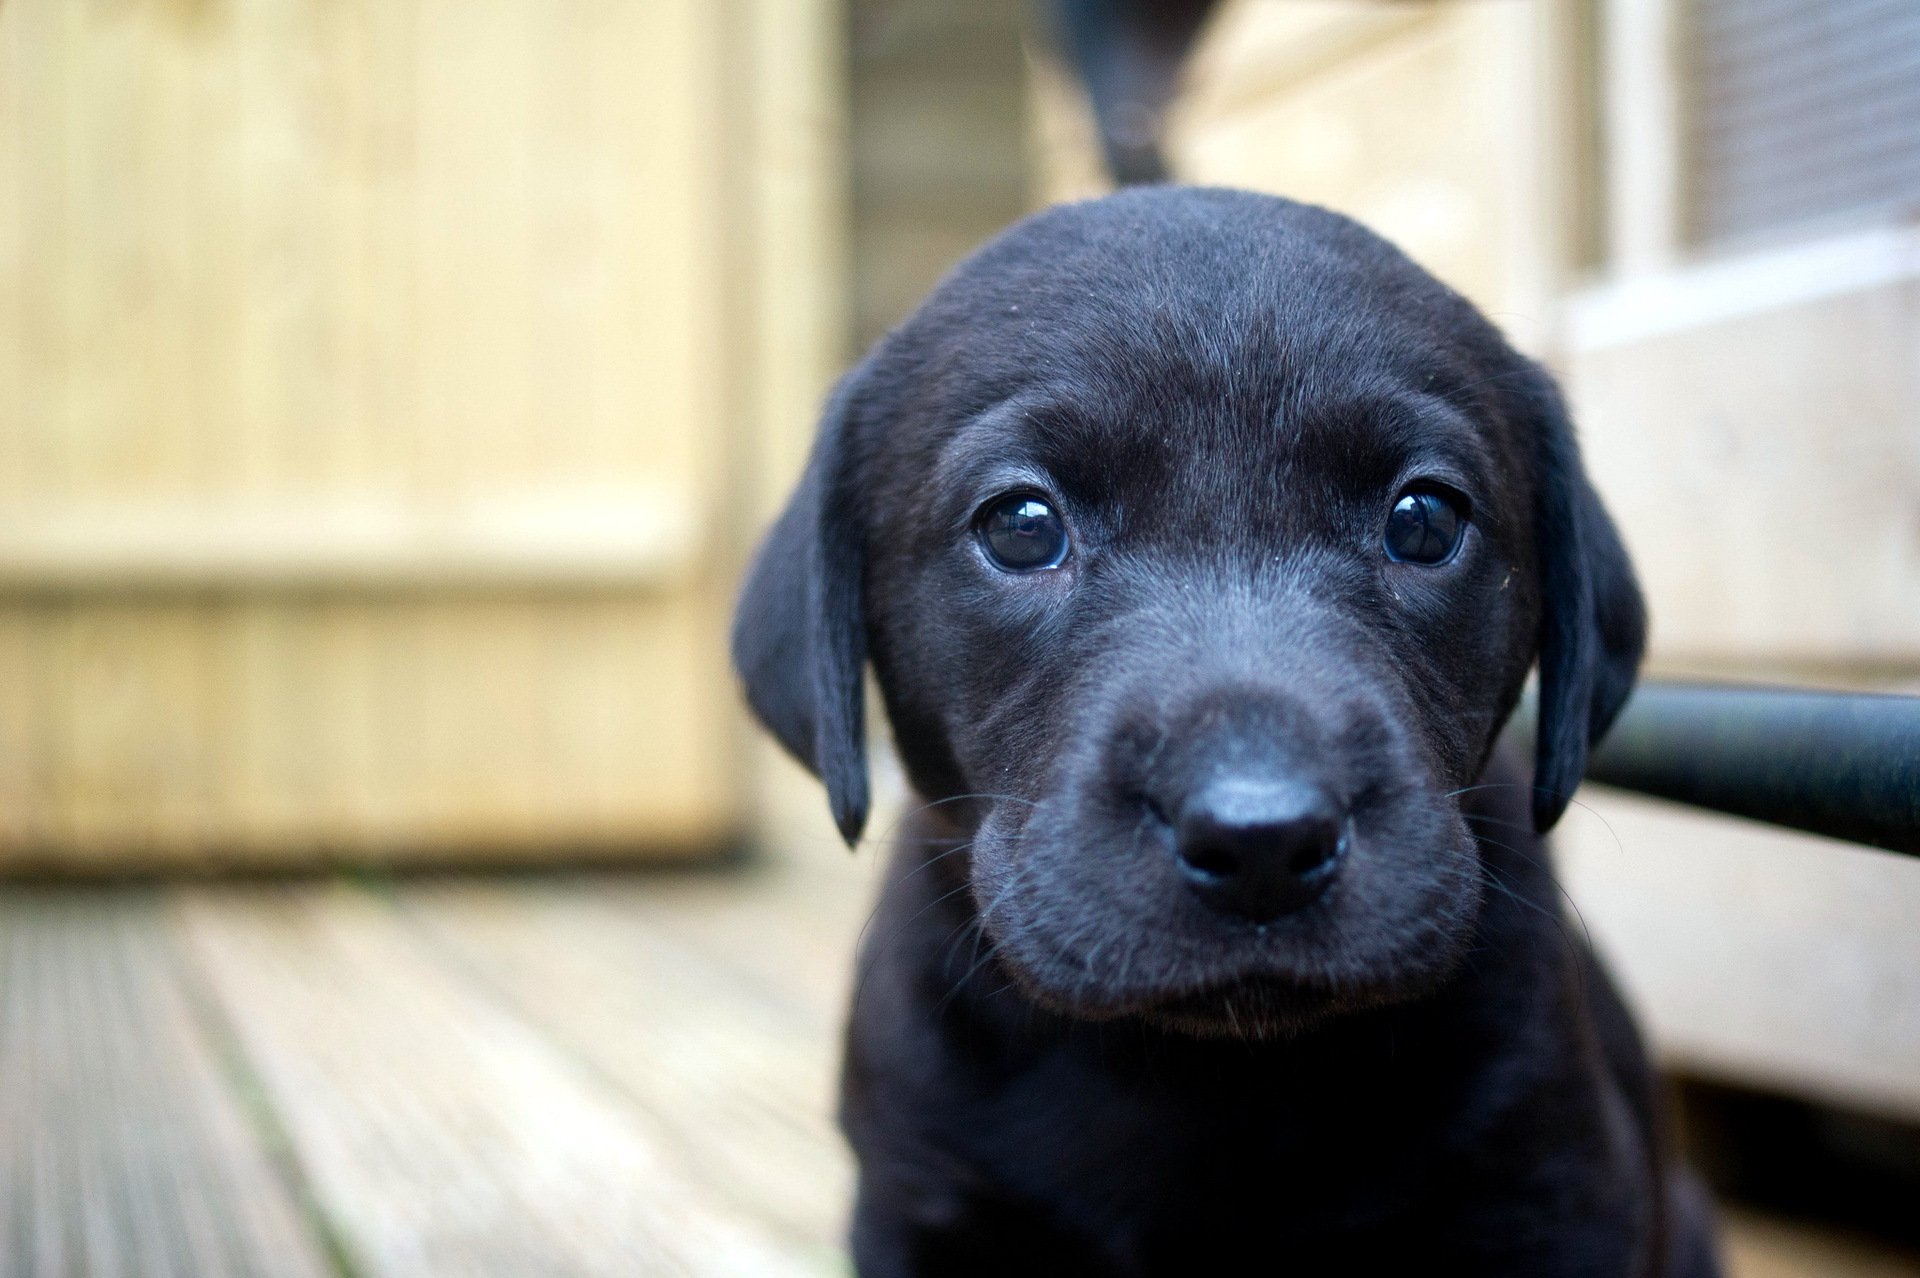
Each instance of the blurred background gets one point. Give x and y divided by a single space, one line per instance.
391 390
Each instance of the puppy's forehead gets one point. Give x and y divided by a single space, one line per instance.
1187 282
1200 386
1155 300
1135 433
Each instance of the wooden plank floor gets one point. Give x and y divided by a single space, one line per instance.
555 1074
502 1075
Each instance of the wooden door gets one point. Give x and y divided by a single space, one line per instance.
380 382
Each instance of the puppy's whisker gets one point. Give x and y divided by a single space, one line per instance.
1575 952
1576 802
874 913
1491 880
1000 897
954 990
937 858
1488 819
978 923
980 918
1550 877
931 804
944 897
1488 785
867 964
890 836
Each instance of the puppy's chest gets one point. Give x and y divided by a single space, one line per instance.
1134 1159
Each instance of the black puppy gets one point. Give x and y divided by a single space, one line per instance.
1201 544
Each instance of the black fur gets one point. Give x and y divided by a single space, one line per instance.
1061 1059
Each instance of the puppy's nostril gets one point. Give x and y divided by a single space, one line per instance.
1315 854
1259 848
1216 862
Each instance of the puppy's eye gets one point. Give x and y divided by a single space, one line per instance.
1021 532
1425 527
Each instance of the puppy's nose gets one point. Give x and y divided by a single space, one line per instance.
1259 848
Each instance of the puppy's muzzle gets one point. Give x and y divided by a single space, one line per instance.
1258 845
1247 782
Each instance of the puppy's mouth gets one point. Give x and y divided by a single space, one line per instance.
1257 997
1253 1008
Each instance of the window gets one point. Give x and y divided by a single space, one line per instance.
1798 112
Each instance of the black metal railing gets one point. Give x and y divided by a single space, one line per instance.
1842 764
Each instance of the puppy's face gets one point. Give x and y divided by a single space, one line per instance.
1199 542
1217 658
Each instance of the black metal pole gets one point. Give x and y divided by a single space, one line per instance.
1846 765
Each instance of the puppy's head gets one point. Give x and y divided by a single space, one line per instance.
1205 542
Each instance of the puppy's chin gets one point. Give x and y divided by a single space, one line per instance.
1257 1010
1251 1009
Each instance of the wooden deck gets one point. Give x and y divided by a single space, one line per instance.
582 1074
533 1075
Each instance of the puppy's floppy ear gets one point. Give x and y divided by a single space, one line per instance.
1592 622
799 631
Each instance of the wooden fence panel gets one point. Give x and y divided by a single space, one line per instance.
369 376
